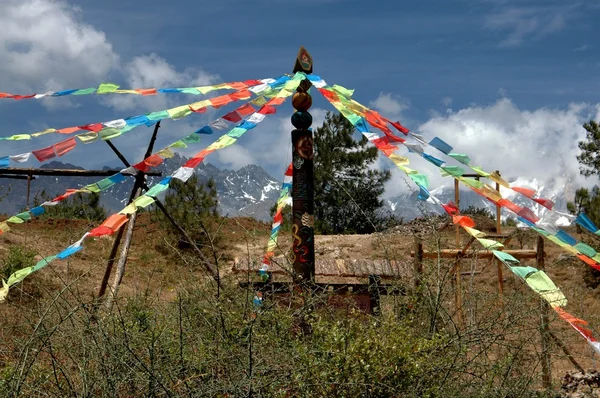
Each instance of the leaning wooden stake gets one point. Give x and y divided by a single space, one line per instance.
544 324
122 259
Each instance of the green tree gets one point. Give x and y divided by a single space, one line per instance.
347 191
588 201
78 206
194 206
589 158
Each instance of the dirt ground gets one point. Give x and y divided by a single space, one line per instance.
152 266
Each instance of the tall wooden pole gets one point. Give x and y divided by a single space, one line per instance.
544 324
458 302
303 244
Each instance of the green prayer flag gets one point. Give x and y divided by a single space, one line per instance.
543 285
159 115
472 183
178 144
179 112
92 188
106 88
155 190
523 271
26 216
86 138
454 171
84 91
143 201
15 220
490 243
18 137
236 132
479 171
105 183
19 275
342 90
420 179
585 249
43 262
191 139
461 157
190 90
505 257
108 133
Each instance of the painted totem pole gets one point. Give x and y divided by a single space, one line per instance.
303 245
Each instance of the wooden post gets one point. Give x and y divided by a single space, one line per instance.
544 326
28 188
498 263
374 297
457 267
418 262
303 244
112 293
135 192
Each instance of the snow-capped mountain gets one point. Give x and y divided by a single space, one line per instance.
249 191
558 190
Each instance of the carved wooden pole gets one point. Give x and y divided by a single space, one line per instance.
303 245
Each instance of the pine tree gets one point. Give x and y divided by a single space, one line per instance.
587 201
79 206
194 207
590 150
347 191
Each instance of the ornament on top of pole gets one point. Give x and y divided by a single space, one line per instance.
303 243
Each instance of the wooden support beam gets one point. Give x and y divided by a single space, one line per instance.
64 172
17 177
453 253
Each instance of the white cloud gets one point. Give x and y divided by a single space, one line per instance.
390 104
45 46
522 23
153 71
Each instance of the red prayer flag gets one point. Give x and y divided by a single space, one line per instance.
65 146
275 101
238 85
18 97
399 127
245 110
218 102
146 91
267 110
278 218
142 166
101 231
252 82
153 160
114 222
193 162
450 208
525 191
383 144
463 221
92 127
547 203
233 117
240 95
509 205
68 130
44 153
330 95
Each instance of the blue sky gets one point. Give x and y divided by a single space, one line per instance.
511 81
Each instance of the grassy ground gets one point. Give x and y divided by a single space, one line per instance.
158 270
